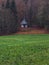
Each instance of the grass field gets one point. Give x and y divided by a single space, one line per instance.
24 50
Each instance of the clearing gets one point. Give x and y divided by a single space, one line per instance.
31 49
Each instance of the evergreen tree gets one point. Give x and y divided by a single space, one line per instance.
40 14
43 15
13 6
25 1
30 16
3 4
46 16
14 11
7 4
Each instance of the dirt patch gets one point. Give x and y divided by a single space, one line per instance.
33 31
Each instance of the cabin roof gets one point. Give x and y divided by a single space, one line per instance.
24 21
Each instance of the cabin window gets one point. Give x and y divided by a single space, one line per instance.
24 26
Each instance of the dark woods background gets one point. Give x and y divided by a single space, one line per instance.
36 12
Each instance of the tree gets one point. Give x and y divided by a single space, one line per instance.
8 20
25 1
30 12
8 4
25 13
13 7
3 4
43 14
40 14
46 15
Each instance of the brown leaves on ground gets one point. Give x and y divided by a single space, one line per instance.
33 31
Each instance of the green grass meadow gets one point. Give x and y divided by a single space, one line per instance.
24 49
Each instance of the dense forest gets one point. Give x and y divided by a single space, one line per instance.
12 12
8 18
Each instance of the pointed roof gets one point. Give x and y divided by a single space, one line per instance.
24 21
